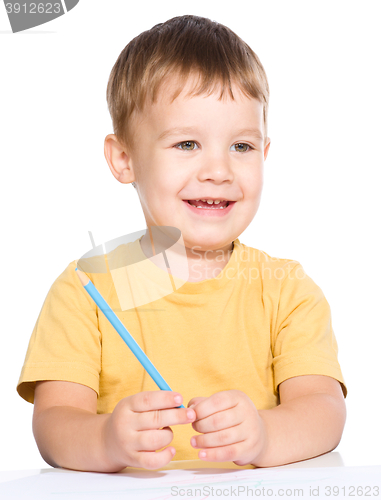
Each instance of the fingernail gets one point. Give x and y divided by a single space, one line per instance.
193 442
178 399
191 406
191 414
202 454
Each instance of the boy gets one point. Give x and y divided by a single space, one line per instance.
247 340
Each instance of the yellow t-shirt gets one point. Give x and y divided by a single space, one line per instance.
261 321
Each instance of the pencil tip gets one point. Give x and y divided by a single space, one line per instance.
83 278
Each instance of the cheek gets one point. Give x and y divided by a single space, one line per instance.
157 169
157 192
253 184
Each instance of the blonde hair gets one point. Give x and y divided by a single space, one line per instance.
180 47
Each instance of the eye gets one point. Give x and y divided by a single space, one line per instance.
189 145
242 147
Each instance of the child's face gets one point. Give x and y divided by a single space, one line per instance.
211 159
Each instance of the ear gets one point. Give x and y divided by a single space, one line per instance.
118 160
266 150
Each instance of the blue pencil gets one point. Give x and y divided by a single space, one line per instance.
123 332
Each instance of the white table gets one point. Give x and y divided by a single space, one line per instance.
191 478
332 459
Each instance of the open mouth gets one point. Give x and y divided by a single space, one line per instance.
209 205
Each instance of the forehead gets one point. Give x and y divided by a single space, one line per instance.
172 102
174 86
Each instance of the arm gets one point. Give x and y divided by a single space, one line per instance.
308 422
66 427
69 433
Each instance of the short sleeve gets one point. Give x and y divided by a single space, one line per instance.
304 342
66 342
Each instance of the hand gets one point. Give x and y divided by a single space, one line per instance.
231 427
139 425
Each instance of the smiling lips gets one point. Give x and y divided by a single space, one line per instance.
209 204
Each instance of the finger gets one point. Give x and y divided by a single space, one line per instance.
153 440
222 454
225 437
217 402
195 401
154 400
164 418
155 460
218 421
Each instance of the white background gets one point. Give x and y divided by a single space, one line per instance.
320 205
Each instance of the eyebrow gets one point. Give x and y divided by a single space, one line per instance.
190 130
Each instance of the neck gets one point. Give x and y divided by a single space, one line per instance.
207 264
202 264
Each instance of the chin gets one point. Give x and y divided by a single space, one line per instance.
203 244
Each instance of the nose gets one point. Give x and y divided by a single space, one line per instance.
216 167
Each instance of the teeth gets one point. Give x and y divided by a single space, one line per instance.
210 202
211 208
216 202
